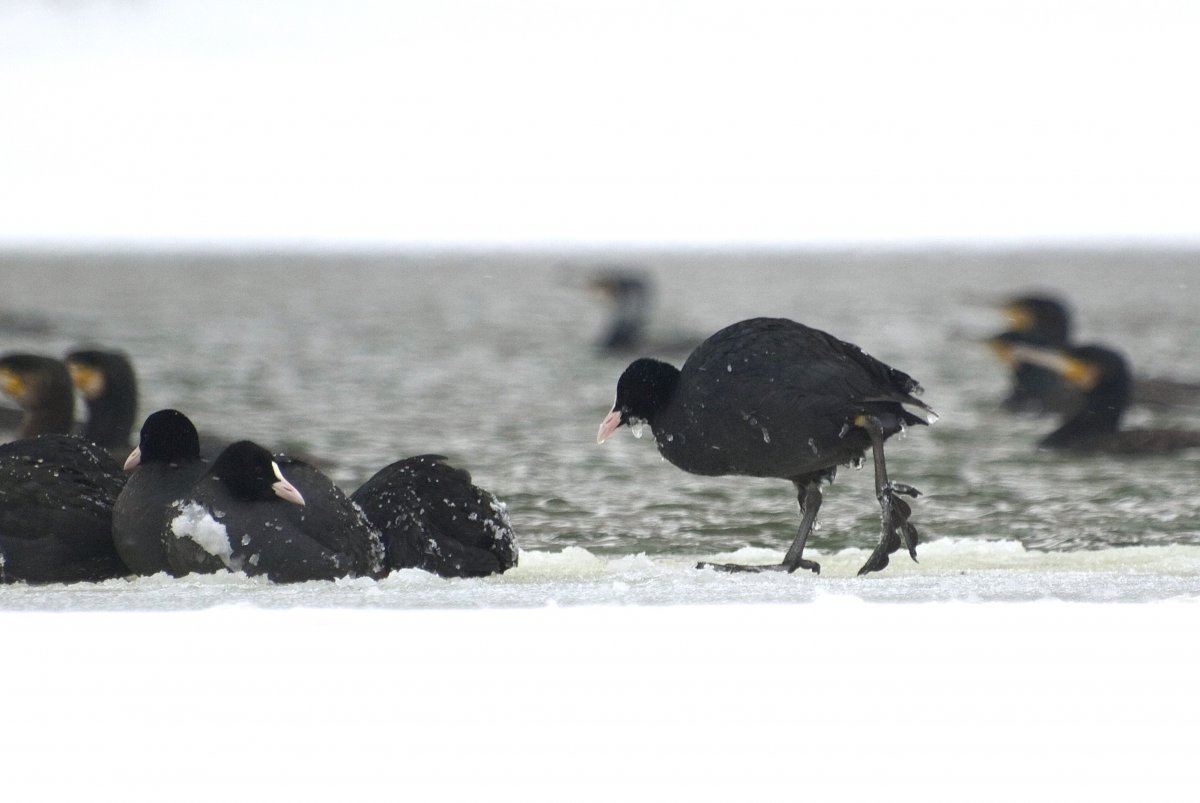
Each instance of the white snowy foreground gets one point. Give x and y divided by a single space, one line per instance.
841 693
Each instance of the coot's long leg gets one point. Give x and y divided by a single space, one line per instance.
894 524
809 496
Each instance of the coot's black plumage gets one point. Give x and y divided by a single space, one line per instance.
769 397
1103 377
432 517
56 502
41 386
244 515
165 464
107 382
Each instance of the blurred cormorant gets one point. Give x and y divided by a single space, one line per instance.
108 385
41 386
1102 376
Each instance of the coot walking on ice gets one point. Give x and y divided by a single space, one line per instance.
769 397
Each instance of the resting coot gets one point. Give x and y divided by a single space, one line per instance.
165 465
769 397
433 517
244 515
56 508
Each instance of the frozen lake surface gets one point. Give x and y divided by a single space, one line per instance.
605 666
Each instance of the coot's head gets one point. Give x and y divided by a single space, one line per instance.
168 436
643 389
251 474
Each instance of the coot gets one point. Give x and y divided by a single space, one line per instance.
433 517
165 464
769 397
56 507
244 515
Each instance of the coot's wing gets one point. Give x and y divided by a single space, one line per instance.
331 519
433 518
775 395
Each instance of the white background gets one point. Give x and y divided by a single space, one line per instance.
700 122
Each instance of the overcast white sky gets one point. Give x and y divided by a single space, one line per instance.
701 121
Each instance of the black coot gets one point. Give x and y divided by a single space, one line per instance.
165 464
1103 377
432 517
56 507
244 515
108 385
770 397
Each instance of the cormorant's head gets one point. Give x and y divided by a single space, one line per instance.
1098 370
643 390
1042 320
251 474
30 379
167 436
1006 346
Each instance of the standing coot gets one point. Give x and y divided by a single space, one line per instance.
769 397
